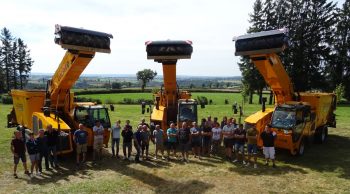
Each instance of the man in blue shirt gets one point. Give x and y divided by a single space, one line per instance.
172 139
80 139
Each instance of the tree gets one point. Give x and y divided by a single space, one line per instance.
6 40
24 62
145 76
116 85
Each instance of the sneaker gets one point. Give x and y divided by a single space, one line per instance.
15 175
266 163
27 172
244 163
234 161
255 166
187 160
247 164
163 158
39 173
155 158
274 165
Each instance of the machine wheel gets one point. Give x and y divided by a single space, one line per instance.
321 134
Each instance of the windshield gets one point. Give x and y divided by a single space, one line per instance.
187 112
284 119
101 114
88 116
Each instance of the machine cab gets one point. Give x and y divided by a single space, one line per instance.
187 111
87 115
291 119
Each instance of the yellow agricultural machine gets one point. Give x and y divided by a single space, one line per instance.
171 104
297 117
35 109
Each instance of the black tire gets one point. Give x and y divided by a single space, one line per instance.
321 134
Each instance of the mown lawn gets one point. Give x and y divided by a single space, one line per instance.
323 169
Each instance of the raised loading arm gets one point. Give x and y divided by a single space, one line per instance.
81 45
262 48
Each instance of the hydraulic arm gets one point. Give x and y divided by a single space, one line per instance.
262 47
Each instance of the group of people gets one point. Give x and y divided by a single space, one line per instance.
42 147
204 140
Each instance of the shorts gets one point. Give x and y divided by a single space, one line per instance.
171 145
20 156
98 144
196 143
239 147
34 157
252 149
269 152
160 146
184 147
81 148
206 143
228 142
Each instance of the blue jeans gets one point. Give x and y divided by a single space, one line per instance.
52 155
115 141
252 148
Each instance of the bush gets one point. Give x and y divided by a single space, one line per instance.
84 99
109 101
6 99
202 100
136 101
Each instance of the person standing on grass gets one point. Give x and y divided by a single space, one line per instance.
239 135
80 138
206 138
52 141
209 121
115 134
158 139
145 137
227 133
223 122
216 138
172 140
215 121
137 142
196 140
33 151
268 137
184 141
18 149
143 122
127 135
43 151
252 134
98 140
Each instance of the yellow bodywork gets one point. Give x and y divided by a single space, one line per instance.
260 120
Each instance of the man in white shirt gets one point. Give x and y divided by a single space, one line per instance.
98 140
216 138
115 133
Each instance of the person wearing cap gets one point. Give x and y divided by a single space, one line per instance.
18 150
33 151
80 138
43 151
268 137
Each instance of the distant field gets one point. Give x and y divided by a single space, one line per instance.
323 168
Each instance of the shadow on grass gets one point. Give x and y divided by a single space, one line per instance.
158 184
332 156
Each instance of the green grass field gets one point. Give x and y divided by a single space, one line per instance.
323 169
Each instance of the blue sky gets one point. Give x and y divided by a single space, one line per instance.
209 24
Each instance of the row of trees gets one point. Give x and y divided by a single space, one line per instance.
15 62
318 57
